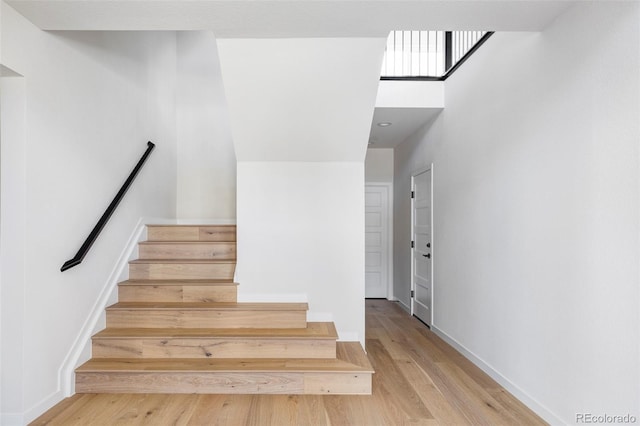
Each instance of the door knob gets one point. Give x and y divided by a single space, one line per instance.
428 255
428 245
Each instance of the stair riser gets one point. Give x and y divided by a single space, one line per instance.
213 348
177 293
205 319
337 383
209 250
225 383
177 271
191 233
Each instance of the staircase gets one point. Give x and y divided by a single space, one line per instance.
178 328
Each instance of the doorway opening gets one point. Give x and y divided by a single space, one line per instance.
421 245
378 241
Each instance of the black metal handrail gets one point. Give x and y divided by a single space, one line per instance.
84 249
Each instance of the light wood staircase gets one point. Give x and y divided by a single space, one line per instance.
178 328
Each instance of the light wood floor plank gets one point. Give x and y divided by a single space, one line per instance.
420 381
432 398
392 381
177 408
273 410
478 398
209 409
353 411
522 414
311 411
233 411
87 414
395 349
137 409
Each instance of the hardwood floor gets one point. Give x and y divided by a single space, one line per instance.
419 380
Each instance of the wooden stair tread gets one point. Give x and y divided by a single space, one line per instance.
177 261
179 329
199 365
318 330
227 306
182 242
352 352
190 226
184 282
192 233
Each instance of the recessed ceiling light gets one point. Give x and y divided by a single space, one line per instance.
384 124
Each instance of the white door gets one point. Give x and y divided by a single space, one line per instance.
376 201
421 302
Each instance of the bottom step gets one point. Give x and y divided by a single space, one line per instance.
348 374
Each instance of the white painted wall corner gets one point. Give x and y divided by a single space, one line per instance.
404 306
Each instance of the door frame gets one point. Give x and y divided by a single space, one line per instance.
433 248
389 187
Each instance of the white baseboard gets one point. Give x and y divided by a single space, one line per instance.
80 350
516 391
404 306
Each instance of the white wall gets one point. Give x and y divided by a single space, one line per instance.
206 158
12 228
302 238
300 113
92 102
378 165
536 209
410 94
301 99
1 280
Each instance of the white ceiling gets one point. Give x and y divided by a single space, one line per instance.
302 18
407 105
405 122
292 18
